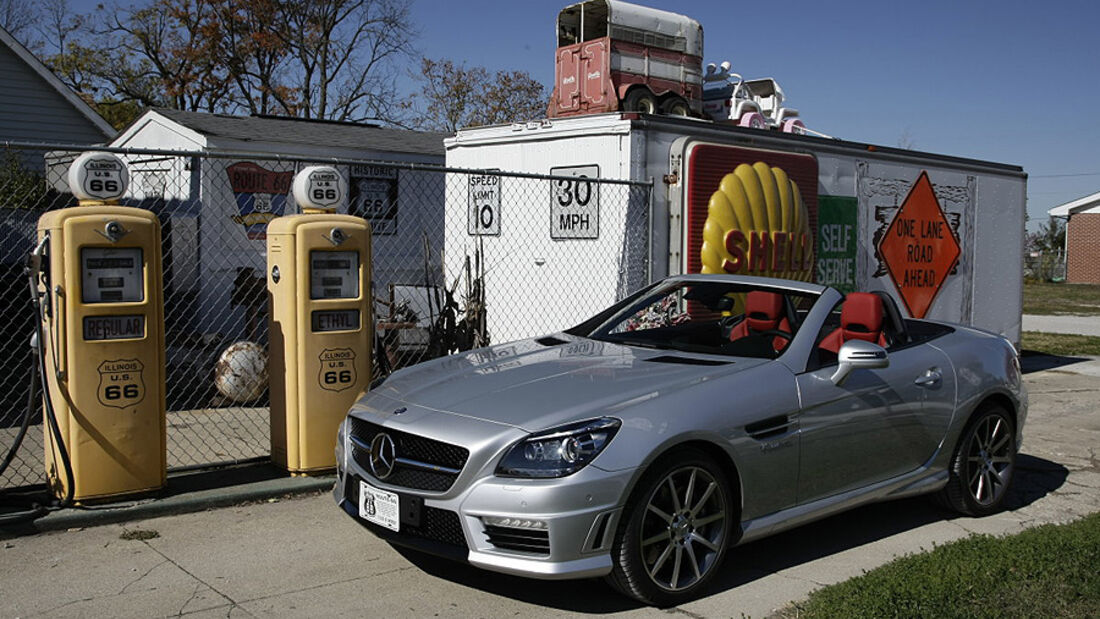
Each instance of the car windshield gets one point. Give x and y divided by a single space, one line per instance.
719 317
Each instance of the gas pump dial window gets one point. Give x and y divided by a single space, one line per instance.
111 275
333 274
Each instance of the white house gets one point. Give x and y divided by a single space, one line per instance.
218 204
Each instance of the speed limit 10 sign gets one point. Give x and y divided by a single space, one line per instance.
98 176
483 214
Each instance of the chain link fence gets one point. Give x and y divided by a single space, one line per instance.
1045 266
461 259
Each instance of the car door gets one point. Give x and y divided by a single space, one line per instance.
871 427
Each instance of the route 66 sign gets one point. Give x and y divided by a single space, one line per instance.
337 369
320 187
98 176
121 384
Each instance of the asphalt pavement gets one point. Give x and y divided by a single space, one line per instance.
298 555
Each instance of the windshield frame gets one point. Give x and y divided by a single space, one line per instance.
605 325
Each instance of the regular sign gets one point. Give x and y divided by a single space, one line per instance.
919 248
575 204
483 214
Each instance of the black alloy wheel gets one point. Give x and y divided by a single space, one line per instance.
983 464
678 525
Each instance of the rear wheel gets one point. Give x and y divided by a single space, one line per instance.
677 525
983 464
640 100
675 106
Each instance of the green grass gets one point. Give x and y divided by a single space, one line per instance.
1046 298
1048 571
1060 344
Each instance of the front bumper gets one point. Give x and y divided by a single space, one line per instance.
580 513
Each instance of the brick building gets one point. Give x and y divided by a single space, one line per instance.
1082 238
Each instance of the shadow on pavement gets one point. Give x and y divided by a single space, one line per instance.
1031 361
1035 478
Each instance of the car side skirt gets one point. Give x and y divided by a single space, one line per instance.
920 481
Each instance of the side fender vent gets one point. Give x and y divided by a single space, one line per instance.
767 428
550 340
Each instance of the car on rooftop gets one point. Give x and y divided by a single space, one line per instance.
699 413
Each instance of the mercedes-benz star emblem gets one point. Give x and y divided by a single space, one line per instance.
383 454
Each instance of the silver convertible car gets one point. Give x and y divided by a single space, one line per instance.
700 413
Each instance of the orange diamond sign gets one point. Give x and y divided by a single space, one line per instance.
919 248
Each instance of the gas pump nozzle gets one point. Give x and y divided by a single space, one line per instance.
34 271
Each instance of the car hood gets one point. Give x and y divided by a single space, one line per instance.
538 383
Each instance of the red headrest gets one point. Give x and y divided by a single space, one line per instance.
763 310
861 317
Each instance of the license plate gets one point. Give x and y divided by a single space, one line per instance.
379 506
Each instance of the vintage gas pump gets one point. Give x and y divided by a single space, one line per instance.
102 338
321 324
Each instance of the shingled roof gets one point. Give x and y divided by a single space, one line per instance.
311 132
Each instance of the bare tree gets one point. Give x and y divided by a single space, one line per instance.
18 17
453 96
56 25
331 59
906 139
347 55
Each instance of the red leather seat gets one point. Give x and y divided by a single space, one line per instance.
860 319
763 312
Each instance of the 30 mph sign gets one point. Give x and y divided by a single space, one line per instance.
575 204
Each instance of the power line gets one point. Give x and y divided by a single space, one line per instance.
1063 175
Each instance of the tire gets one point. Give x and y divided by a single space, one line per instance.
640 100
753 120
983 464
675 106
665 551
793 125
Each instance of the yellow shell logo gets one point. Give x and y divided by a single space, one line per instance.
757 224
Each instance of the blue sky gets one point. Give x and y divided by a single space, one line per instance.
1000 80
1006 81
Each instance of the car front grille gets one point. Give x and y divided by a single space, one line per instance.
424 463
523 540
437 525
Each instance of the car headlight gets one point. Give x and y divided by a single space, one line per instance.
559 451
341 446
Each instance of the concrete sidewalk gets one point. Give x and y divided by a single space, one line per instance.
304 557
1075 325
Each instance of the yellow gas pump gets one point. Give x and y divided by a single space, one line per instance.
102 337
321 324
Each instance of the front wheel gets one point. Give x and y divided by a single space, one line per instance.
983 464
677 526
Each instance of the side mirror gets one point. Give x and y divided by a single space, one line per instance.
858 355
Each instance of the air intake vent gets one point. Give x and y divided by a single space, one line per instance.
686 360
523 540
767 428
551 341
